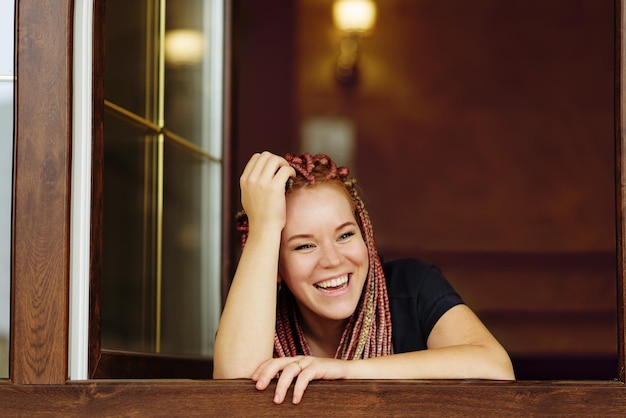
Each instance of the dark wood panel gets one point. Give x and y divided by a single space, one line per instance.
40 264
543 282
554 333
341 398
127 365
571 367
620 140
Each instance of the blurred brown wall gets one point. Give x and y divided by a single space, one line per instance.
484 143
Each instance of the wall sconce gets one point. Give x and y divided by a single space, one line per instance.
356 19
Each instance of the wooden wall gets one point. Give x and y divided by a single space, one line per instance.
484 142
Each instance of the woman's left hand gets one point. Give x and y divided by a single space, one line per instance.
302 368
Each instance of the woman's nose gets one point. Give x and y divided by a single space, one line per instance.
330 256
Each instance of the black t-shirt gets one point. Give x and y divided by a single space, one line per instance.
419 295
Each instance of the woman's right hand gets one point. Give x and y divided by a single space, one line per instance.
263 189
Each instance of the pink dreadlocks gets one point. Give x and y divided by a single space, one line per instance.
368 331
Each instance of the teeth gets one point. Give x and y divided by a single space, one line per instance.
339 281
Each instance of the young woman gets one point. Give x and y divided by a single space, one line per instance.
339 312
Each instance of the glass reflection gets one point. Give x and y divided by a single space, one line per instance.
185 63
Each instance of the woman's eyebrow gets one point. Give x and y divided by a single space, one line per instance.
345 224
299 236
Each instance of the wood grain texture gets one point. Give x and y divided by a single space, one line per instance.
40 265
337 399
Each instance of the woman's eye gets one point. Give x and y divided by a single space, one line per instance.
304 247
345 235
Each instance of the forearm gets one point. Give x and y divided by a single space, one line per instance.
245 336
453 362
464 361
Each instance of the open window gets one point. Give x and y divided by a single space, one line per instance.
40 279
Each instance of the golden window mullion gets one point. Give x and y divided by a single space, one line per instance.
153 175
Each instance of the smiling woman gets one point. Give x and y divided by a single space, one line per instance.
339 312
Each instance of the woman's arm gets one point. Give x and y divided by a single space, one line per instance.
459 347
245 336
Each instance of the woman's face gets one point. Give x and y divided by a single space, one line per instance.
323 258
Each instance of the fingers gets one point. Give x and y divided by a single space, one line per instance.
290 368
291 371
269 370
267 166
263 190
305 376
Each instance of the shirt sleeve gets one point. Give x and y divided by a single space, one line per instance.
419 295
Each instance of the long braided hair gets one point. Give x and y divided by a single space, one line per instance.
368 331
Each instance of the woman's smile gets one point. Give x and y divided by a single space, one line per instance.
334 286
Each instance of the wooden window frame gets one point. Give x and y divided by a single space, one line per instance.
38 381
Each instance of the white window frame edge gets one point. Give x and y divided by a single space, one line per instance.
80 206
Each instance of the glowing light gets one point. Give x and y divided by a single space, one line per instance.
354 15
183 47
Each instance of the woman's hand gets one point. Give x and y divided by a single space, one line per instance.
302 368
263 189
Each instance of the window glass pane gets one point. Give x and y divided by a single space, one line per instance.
127 277
162 190
6 175
182 285
130 70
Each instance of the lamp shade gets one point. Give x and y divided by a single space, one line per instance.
354 15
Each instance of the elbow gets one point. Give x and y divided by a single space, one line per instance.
507 372
229 370
501 366
496 372
230 373
503 373
220 373
224 367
